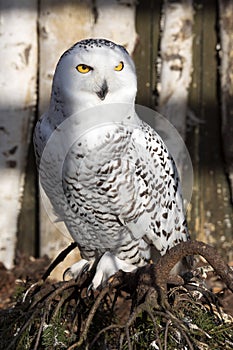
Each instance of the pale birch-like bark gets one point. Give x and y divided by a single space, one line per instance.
18 70
226 36
176 61
115 20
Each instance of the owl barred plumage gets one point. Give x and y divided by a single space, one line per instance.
122 195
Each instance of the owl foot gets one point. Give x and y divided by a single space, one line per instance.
108 265
77 269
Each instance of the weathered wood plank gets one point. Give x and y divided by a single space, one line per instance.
146 51
61 24
211 210
176 61
115 20
226 36
192 133
18 69
155 55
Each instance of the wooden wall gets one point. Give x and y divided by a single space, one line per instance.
183 55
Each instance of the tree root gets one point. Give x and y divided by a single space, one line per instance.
58 304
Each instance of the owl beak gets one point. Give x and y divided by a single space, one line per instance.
103 91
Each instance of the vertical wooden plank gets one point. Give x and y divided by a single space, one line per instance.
226 37
143 51
115 20
61 24
211 210
155 55
176 65
193 133
18 73
216 212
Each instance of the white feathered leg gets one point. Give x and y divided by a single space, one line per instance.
108 265
77 269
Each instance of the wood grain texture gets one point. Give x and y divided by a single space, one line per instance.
211 213
226 58
176 61
146 51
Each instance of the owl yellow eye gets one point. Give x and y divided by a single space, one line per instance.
83 68
119 67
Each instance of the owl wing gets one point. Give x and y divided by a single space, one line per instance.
162 218
48 161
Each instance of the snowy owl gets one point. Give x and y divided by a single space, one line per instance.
121 199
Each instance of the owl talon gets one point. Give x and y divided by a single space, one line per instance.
108 265
76 270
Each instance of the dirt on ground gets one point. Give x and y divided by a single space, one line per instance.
26 270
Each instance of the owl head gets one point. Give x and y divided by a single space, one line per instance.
93 72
